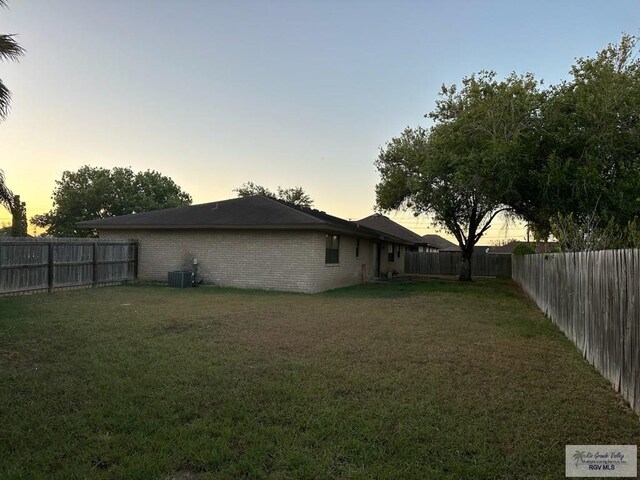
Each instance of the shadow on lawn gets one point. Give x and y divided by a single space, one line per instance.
415 285
403 286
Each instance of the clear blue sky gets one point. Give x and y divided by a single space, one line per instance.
215 93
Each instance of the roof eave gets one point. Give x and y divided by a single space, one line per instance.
357 231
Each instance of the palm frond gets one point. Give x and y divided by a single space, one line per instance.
6 195
9 48
5 99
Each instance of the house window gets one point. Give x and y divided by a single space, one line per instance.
390 250
357 247
333 249
399 251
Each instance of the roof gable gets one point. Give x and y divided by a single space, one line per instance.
438 241
385 225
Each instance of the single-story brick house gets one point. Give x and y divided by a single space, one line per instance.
256 242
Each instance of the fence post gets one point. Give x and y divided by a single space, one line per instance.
50 266
95 264
136 257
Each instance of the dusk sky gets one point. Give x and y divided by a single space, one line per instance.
214 94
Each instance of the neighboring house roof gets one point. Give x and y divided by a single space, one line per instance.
540 247
255 212
478 249
438 241
385 225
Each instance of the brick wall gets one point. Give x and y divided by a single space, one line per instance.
350 270
274 260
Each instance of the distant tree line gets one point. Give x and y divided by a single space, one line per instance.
294 195
94 192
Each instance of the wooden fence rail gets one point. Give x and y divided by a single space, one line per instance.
434 263
594 298
28 265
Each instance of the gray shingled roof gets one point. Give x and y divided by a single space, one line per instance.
384 224
438 241
255 212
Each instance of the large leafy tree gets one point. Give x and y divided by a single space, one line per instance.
587 163
294 195
9 50
566 159
91 192
461 171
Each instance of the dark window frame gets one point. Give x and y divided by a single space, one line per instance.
332 250
357 247
391 256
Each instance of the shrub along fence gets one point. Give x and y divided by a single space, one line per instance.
448 263
594 298
44 264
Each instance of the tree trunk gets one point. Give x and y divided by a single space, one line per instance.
465 268
19 218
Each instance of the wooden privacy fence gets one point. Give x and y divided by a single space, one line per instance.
434 263
594 298
45 264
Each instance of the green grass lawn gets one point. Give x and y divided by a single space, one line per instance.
433 379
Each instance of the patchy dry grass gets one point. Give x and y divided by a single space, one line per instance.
430 379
